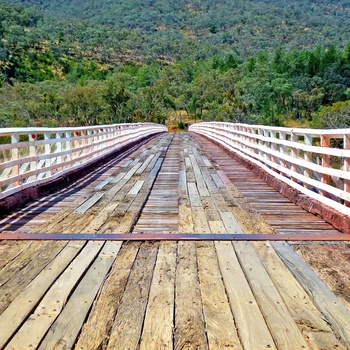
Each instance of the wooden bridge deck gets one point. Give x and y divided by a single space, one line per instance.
165 295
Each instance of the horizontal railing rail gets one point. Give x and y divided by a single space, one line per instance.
315 162
32 156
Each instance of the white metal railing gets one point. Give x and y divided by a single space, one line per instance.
30 156
315 162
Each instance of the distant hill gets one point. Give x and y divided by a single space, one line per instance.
198 29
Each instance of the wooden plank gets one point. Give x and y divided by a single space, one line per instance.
182 184
127 328
38 323
230 222
194 195
9 250
211 185
299 304
117 178
206 161
137 187
217 180
64 331
220 325
26 301
97 328
104 183
201 185
185 221
189 331
200 220
280 322
88 203
251 325
145 164
334 311
25 268
158 324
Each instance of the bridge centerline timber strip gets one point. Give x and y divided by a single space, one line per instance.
146 236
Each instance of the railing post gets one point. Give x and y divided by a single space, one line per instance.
58 147
326 162
346 167
68 146
14 156
308 157
294 152
47 151
32 153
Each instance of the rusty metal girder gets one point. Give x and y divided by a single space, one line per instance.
147 236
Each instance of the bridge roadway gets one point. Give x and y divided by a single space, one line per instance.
161 294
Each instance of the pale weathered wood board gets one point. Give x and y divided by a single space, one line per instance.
64 331
251 326
280 322
27 299
220 325
301 307
25 268
334 311
158 327
98 326
189 332
37 324
127 328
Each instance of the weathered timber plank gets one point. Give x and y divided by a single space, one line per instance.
220 325
189 332
201 185
88 203
104 183
145 164
9 250
64 331
127 328
334 311
301 307
200 220
136 189
195 199
21 271
97 328
217 180
27 299
251 326
158 324
37 324
281 324
185 222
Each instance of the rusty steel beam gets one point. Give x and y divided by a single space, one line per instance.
147 236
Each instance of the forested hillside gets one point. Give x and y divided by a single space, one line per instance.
85 62
201 28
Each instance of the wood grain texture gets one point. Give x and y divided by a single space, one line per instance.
189 332
276 314
220 325
64 331
336 314
158 323
127 328
97 328
45 313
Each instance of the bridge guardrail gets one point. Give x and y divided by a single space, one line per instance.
32 156
316 162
